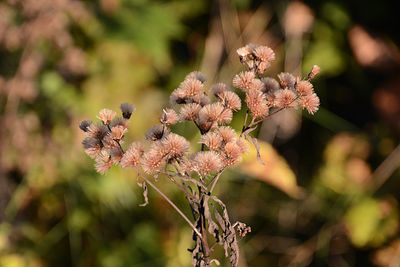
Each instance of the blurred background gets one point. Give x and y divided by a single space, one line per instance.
328 194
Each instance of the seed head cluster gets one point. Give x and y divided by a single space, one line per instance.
210 108
263 94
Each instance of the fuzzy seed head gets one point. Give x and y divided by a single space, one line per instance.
196 75
120 122
304 88
109 142
156 132
132 155
169 117
226 133
314 71
225 117
218 88
244 80
262 66
258 85
310 102
106 115
190 87
117 132
84 125
285 99
230 100
127 110
175 145
97 131
201 99
152 161
270 84
257 104
92 146
286 80
208 162
211 112
189 112
232 153
243 51
103 162
116 154
212 140
264 53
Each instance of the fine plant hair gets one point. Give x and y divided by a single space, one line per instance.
166 154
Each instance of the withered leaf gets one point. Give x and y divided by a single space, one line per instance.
145 192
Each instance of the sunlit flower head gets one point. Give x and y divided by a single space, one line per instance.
244 80
175 145
189 112
310 102
314 71
212 140
211 112
169 117
257 104
132 155
106 115
304 87
226 133
190 87
208 162
285 98
286 80
264 53
103 162
230 100
196 75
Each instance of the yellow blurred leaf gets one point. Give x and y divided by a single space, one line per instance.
275 170
371 222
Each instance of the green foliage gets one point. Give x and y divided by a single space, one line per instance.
316 189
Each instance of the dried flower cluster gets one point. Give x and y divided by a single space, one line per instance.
263 94
196 173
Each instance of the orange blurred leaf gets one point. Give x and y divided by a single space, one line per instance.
275 172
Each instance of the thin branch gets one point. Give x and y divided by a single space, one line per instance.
170 177
215 180
169 201
386 168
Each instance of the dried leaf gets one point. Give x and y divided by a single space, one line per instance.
197 260
145 192
229 235
257 147
212 226
215 261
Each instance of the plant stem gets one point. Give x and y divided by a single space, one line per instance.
170 202
204 243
